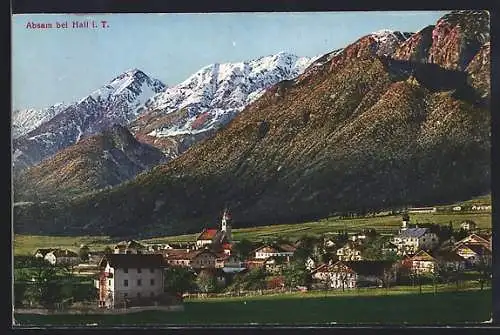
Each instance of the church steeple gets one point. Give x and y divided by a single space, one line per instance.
226 225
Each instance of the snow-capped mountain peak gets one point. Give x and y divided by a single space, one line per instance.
388 40
212 96
42 133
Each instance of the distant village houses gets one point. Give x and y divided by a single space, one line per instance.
58 256
351 274
349 252
410 240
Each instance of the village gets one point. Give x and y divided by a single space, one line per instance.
134 274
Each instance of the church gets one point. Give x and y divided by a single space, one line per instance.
217 237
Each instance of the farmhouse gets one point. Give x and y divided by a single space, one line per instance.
474 254
422 210
194 259
468 225
130 279
476 239
422 262
281 250
58 256
450 260
230 263
275 264
351 274
481 208
40 253
349 252
129 247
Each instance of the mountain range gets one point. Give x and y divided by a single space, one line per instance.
209 99
41 134
363 128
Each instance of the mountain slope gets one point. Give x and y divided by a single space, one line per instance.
193 110
118 102
93 163
24 121
358 132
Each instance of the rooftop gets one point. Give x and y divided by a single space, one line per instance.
413 232
207 234
133 261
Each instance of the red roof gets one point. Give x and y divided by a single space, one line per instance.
227 246
207 234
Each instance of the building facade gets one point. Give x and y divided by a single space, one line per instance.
128 278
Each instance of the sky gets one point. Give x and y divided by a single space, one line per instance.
56 65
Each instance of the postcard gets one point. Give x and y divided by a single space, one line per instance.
271 168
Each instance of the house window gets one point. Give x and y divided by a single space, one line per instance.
152 282
125 283
125 270
138 294
125 295
139 282
139 270
109 282
152 270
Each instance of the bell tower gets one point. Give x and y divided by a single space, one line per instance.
226 225
406 222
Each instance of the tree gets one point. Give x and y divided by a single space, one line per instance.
387 277
84 253
179 280
45 288
373 249
343 277
206 282
295 275
460 235
68 268
485 272
243 248
108 250
255 279
341 238
20 293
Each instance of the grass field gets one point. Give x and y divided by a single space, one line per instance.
27 244
383 224
302 309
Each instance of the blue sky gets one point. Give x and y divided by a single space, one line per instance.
64 65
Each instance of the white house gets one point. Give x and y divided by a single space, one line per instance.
129 247
266 251
481 208
422 210
410 240
128 279
310 263
349 252
40 253
348 275
422 263
62 256
457 208
468 225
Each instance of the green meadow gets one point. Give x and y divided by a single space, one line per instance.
27 244
412 308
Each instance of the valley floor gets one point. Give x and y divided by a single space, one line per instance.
380 307
27 244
